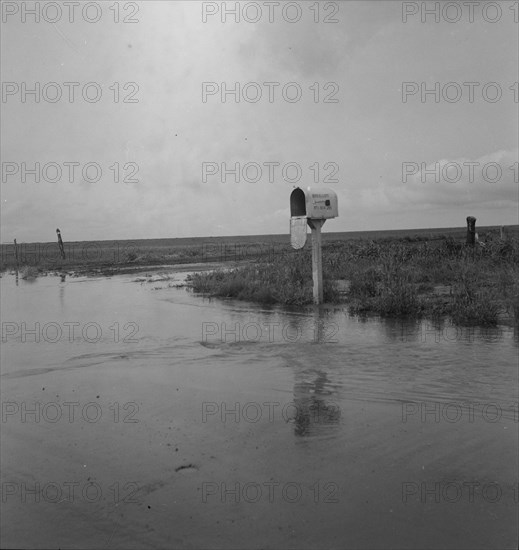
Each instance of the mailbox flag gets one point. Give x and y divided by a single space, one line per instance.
298 227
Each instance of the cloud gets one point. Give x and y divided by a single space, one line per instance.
485 181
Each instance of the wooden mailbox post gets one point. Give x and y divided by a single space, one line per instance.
313 207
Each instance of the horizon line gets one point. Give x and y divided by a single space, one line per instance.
269 234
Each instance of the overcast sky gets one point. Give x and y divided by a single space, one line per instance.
378 142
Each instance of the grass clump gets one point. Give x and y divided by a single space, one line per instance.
474 303
389 277
387 289
401 278
28 272
280 279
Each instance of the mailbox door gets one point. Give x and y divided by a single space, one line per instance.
298 231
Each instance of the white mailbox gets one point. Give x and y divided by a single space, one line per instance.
314 203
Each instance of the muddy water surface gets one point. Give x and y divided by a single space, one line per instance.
139 415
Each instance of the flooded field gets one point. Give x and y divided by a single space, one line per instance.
138 415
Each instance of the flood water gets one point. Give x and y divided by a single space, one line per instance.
139 415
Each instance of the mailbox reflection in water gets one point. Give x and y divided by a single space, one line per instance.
316 203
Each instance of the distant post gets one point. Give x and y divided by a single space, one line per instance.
60 244
16 254
471 230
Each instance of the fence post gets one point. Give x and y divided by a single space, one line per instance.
16 254
60 244
471 230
